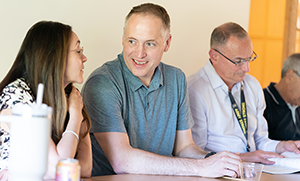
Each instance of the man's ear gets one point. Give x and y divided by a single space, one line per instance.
290 73
168 43
212 55
290 76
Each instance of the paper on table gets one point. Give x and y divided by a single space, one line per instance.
272 169
289 164
290 155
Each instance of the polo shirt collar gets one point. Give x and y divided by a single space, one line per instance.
275 94
135 83
157 79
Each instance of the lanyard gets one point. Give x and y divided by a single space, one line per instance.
242 119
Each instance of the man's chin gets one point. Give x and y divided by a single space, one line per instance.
242 77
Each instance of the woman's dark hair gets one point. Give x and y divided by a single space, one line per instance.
42 59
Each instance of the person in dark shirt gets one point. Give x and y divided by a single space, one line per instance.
282 102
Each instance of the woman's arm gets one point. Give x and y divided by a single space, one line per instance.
4 175
67 146
84 153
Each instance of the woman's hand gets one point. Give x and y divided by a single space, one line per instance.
4 175
75 103
75 100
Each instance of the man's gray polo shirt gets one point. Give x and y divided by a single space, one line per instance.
118 101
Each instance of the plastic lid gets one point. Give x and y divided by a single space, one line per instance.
26 110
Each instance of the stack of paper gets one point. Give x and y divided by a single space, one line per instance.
289 164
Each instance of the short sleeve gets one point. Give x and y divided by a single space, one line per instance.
185 119
103 101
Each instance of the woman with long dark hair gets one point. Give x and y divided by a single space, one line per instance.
51 54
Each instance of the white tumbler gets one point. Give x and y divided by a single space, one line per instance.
30 134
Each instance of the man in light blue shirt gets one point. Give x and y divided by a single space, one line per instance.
140 111
227 104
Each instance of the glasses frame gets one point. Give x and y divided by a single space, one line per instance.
81 51
242 59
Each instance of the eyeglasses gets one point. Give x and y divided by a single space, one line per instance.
78 51
239 61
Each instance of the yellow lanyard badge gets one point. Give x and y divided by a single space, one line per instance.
242 118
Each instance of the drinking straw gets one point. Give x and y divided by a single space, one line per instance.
39 97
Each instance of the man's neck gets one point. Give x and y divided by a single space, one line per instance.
229 85
281 89
146 81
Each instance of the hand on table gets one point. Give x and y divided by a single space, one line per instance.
290 146
259 156
221 164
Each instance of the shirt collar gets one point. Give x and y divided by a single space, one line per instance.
135 83
275 94
216 80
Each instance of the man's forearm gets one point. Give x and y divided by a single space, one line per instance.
192 151
143 162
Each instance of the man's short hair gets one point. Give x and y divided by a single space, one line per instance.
151 9
222 33
292 62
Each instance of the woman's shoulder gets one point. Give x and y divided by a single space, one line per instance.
16 92
19 87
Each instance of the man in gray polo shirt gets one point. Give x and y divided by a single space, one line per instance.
140 111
